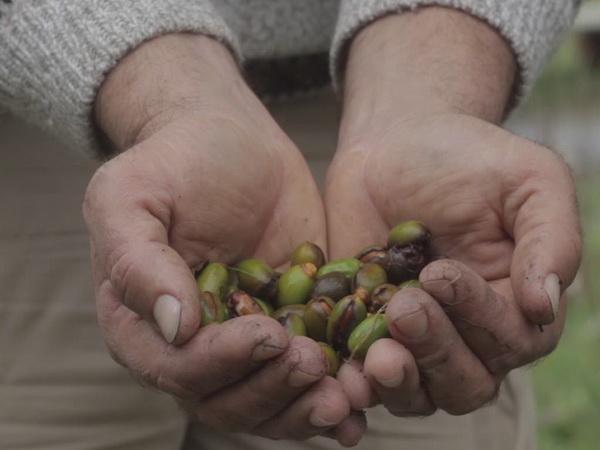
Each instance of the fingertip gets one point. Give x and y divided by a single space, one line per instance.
167 314
332 412
152 280
539 298
356 385
385 364
268 336
350 432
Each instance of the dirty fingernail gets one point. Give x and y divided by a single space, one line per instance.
298 378
552 288
167 314
413 324
442 290
265 351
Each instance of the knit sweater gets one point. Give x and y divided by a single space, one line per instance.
55 54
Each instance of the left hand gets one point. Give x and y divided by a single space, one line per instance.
503 208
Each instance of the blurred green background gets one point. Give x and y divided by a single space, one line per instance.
563 112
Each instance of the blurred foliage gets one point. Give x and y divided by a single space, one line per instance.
567 382
570 80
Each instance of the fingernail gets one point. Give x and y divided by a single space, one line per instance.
167 314
552 288
265 351
413 324
298 378
394 381
442 290
318 421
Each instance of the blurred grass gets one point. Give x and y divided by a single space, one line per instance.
567 382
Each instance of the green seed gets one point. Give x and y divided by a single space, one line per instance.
376 254
367 332
346 315
411 232
368 277
316 313
295 285
347 266
257 278
266 307
381 295
212 309
241 303
332 358
405 263
410 283
233 283
296 309
293 324
334 285
308 253
213 279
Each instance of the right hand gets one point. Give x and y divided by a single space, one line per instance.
206 174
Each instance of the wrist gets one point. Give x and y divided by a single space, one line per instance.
434 60
160 80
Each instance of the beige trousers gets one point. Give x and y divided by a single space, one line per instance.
58 387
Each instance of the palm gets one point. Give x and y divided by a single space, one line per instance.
232 196
456 182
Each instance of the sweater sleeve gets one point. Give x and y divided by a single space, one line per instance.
533 28
55 54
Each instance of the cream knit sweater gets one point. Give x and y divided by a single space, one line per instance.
54 54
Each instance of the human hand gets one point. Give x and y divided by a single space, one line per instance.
422 142
206 174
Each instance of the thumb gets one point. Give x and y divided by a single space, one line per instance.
130 249
548 239
151 279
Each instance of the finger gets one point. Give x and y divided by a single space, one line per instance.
488 319
350 218
320 408
131 249
393 373
356 385
455 379
350 431
285 232
258 397
546 230
217 356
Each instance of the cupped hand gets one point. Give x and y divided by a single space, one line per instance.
206 174
502 209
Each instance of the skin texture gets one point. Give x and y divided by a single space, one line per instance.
204 173
423 142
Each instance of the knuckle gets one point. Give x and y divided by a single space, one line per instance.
512 355
121 273
437 358
480 395
95 191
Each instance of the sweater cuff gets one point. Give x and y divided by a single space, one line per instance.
533 29
55 54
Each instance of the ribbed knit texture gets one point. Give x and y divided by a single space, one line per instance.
54 54
280 28
533 28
